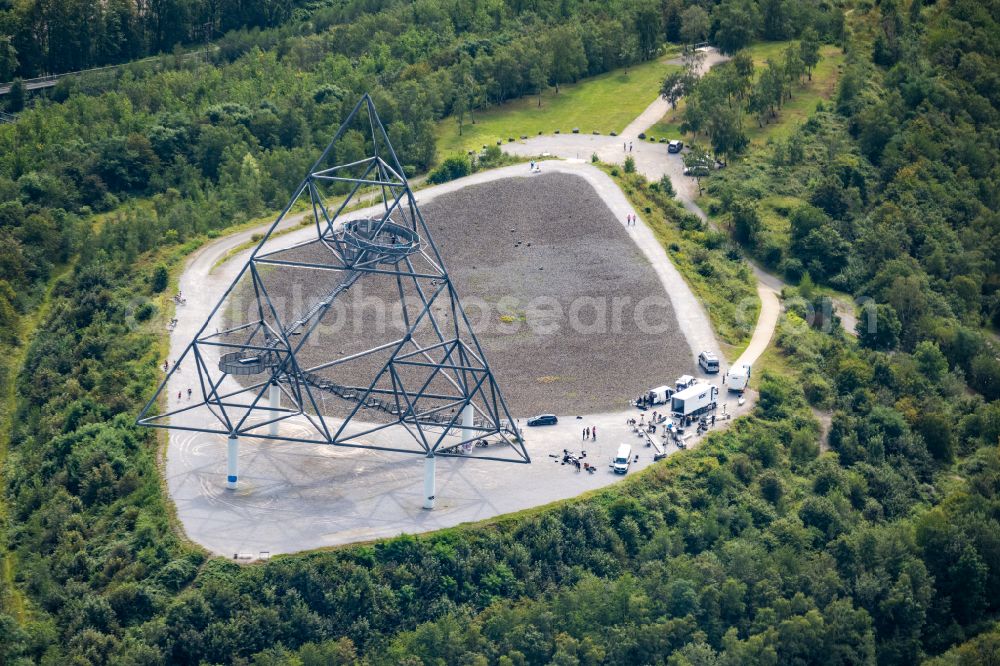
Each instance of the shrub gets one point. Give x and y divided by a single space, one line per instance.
594 158
746 221
629 165
145 311
450 169
160 279
792 269
667 187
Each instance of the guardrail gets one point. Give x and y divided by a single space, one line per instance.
50 80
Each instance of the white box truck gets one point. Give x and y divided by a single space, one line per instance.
738 378
695 400
622 459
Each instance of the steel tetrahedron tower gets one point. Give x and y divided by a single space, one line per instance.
264 362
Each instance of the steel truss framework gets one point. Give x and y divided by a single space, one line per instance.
433 391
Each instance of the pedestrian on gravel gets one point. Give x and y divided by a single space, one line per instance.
630 146
585 433
593 432
189 392
178 395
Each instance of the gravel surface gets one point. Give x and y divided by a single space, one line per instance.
570 315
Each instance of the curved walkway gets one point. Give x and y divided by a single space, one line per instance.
297 497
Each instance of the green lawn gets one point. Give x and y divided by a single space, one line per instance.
795 110
604 103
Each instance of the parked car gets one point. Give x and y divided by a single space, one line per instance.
543 420
675 146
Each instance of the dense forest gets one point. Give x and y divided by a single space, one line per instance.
873 540
38 37
890 193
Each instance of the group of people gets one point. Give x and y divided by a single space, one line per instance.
627 146
179 300
630 220
590 432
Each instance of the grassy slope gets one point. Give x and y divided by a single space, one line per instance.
795 110
605 103
727 284
12 599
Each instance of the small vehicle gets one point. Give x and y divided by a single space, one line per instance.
622 459
695 400
543 420
675 146
683 382
659 395
738 378
698 171
709 362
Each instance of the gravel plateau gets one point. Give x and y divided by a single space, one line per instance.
570 315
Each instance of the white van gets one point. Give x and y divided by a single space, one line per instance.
623 459
659 395
709 362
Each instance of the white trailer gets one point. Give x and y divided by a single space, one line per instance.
659 395
738 378
695 400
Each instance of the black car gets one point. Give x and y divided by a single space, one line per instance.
543 419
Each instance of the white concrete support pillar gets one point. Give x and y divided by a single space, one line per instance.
468 420
274 394
233 461
429 464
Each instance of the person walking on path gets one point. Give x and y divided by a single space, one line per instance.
630 146
593 432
